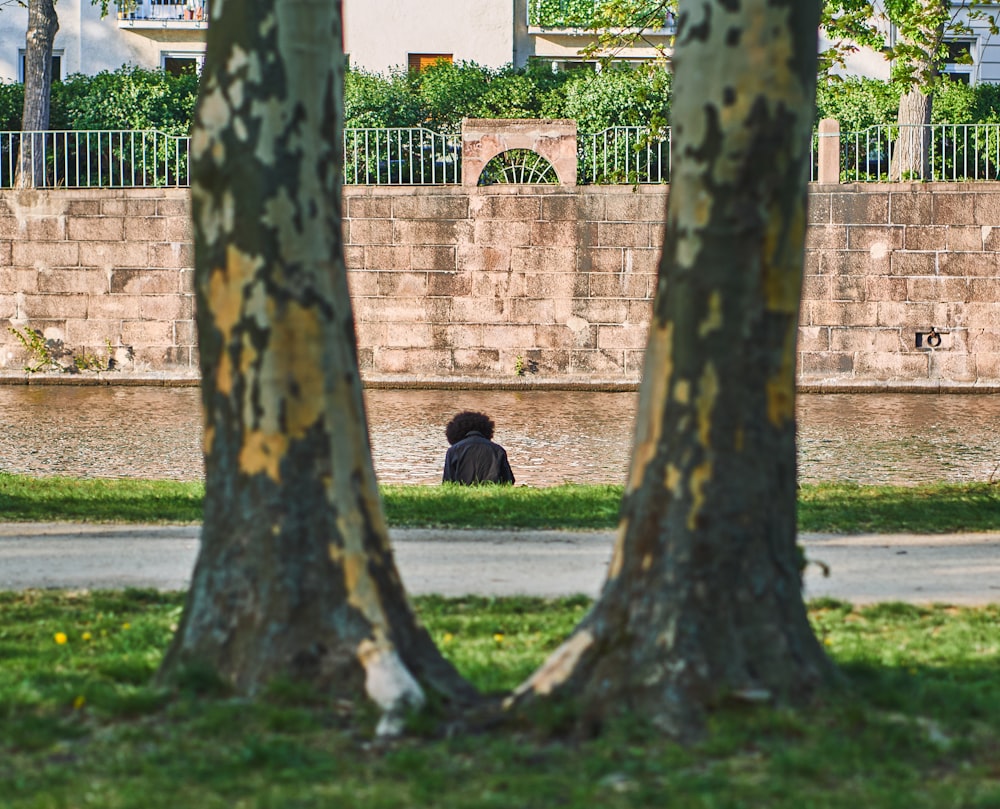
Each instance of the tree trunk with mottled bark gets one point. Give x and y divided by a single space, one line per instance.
42 27
295 578
703 600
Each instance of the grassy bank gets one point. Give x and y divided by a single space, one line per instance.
835 508
916 726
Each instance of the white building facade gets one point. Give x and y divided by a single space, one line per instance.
383 35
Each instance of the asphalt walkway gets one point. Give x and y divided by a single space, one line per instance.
944 568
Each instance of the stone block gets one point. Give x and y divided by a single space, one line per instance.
848 288
618 285
441 258
545 362
982 316
479 360
138 209
882 365
905 263
92 335
53 307
501 233
825 364
423 232
925 237
625 336
464 336
147 333
597 361
405 284
951 367
387 258
816 287
46 228
987 212
911 208
171 255
412 335
111 307
362 283
954 209
554 234
555 285
175 204
965 238
640 311
144 229
185 333
621 234
114 254
988 367
8 306
508 336
871 340
601 311
969 265
602 259
859 208
541 260
877 240
166 307
855 262
500 285
426 206
366 207
630 207
73 281
43 255
178 229
144 282
814 338
508 208
643 261
354 257
573 207
826 237
937 289
906 315
983 341
477 258
449 284
10 228
552 336
96 229
829 313
479 310
818 208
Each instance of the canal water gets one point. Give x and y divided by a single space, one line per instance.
551 437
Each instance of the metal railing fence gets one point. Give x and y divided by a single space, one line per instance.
401 156
932 153
624 154
94 159
416 156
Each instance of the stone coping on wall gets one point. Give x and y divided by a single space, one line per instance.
170 380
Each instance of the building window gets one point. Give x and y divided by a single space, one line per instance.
958 65
179 63
56 65
422 61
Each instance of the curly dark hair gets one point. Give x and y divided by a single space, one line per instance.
466 422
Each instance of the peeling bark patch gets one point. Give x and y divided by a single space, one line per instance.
390 685
557 669
263 452
708 391
781 386
714 320
700 476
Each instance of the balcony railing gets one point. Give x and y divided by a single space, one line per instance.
582 14
146 12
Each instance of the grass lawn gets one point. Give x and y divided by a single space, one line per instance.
916 725
834 508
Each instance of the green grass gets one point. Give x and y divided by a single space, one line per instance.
916 727
834 508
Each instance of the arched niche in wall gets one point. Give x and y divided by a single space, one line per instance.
485 138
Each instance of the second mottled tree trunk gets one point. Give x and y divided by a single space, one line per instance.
703 599
295 578
43 24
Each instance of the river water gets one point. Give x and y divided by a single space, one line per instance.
551 436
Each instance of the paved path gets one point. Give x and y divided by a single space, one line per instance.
952 568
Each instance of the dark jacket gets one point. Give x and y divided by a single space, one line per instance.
476 459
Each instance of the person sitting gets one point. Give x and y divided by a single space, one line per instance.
472 456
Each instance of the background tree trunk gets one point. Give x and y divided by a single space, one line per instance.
295 577
703 599
42 27
911 156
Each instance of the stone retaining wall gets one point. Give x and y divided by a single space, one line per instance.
546 283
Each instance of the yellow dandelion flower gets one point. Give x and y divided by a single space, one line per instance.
828 641
498 637
60 638
79 702
86 636
448 637
126 625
